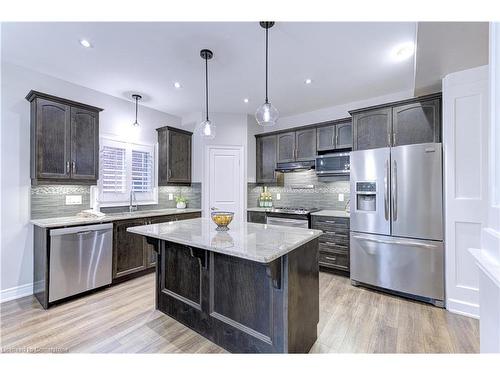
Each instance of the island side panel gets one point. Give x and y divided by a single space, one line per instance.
229 300
302 280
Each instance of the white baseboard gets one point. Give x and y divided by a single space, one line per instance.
16 292
463 308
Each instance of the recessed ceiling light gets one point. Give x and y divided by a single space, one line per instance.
85 43
308 81
177 85
403 51
245 100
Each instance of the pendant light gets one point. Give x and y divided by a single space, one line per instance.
206 129
136 97
266 114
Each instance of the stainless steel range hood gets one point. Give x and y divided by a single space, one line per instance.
295 166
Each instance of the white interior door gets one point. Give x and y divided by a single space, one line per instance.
225 180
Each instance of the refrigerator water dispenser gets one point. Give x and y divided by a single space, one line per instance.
366 194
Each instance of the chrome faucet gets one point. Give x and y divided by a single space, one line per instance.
133 202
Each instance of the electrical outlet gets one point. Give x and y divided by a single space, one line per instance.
170 196
73 199
341 197
278 196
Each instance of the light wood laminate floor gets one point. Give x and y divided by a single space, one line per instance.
122 319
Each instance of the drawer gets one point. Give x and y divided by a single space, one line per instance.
340 261
331 247
332 225
339 238
331 220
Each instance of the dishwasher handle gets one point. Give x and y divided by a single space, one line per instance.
81 229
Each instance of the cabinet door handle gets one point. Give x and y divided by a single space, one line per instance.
73 167
394 138
67 167
388 139
336 140
169 173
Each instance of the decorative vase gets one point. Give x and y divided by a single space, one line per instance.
181 205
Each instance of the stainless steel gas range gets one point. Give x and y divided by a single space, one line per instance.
298 217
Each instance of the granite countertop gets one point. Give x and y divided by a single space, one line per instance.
76 220
256 242
332 213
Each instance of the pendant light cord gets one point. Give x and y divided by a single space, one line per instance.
267 29
136 104
206 83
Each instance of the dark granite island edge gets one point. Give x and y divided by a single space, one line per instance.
242 305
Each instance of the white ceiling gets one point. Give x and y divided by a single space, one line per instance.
346 61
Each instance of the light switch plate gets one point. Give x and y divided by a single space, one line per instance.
73 199
170 196
341 197
278 196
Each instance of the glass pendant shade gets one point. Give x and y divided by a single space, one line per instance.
266 115
206 130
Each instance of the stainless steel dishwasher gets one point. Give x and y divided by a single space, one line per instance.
80 259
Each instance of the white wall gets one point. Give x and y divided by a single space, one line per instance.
16 232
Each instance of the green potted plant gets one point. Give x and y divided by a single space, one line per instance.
181 201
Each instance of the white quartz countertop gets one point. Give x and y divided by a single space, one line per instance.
256 242
332 213
77 220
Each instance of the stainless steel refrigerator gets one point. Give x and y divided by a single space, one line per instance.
397 220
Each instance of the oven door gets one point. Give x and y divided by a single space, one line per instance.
296 223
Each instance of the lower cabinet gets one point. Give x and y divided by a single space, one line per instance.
333 243
132 255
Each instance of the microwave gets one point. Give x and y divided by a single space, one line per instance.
333 164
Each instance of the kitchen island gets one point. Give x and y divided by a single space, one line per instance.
252 289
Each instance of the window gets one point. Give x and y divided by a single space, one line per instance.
125 167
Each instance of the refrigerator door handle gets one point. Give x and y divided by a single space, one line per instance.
396 242
386 190
394 191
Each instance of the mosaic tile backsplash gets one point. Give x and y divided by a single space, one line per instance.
49 200
323 195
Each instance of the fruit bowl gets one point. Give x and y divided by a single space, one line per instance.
222 219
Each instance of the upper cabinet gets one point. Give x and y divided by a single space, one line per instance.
337 135
418 122
408 122
286 147
174 156
266 158
298 145
64 140
372 129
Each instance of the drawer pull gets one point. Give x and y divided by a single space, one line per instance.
331 243
331 258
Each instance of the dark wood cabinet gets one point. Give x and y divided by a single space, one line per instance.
128 254
132 255
297 145
64 140
325 138
343 135
265 159
406 122
333 243
84 144
337 135
372 129
305 141
174 156
418 122
286 147
256 217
